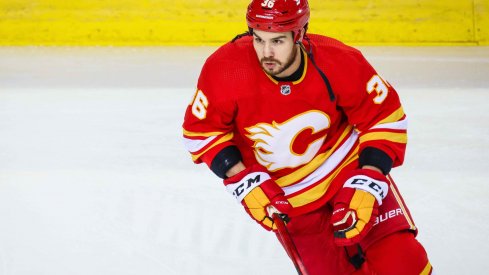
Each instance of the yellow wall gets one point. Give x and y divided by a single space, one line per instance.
211 22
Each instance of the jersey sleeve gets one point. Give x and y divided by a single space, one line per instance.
208 121
372 105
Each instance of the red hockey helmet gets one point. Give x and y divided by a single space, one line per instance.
278 16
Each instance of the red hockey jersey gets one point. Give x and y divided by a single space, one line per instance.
294 129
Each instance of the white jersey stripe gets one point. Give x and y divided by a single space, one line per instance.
194 145
398 125
327 167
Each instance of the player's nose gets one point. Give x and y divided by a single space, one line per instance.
268 50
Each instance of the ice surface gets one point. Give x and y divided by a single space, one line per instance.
94 178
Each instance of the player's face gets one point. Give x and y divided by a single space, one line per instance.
277 52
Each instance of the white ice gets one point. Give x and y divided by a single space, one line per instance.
94 178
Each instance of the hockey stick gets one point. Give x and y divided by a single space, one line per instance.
288 244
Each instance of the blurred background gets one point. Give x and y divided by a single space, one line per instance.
212 22
94 177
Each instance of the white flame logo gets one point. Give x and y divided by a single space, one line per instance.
273 143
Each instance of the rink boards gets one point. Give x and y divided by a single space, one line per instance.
212 22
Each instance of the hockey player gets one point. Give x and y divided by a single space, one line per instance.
303 123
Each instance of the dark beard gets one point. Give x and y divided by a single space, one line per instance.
287 65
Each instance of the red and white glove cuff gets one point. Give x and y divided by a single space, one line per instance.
377 188
243 187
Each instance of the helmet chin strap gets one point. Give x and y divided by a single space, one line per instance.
321 73
297 36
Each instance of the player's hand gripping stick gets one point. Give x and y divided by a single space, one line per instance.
356 205
255 190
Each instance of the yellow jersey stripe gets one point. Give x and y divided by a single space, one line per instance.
225 138
389 136
395 116
320 189
330 165
427 269
201 134
399 201
318 161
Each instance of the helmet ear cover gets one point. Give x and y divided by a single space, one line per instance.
298 34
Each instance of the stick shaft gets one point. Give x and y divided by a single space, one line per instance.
289 244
